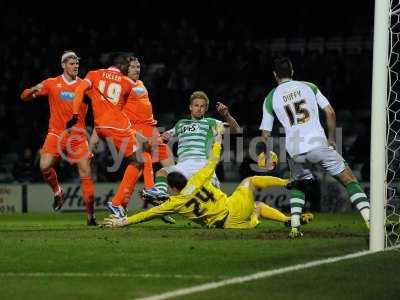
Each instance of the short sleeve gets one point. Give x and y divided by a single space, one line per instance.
321 100
268 113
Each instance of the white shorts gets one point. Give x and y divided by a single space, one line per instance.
327 157
189 167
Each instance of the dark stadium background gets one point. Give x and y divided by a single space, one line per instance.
221 47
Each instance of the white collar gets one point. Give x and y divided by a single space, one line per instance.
66 81
114 69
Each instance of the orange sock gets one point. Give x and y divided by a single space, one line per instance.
50 176
148 171
126 186
87 188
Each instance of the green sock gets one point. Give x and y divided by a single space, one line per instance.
359 199
297 201
161 184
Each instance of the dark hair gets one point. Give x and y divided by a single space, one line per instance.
176 180
132 57
283 67
121 60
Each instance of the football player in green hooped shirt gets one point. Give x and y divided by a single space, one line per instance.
195 138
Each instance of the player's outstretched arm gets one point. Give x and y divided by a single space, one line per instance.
31 93
331 124
114 222
216 149
223 110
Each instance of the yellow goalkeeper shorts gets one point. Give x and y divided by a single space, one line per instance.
241 208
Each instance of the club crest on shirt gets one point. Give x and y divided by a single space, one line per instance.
139 90
67 96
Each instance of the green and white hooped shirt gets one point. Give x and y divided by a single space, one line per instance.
195 137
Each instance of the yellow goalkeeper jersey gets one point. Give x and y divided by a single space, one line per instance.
199 201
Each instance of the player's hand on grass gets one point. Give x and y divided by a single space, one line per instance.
72 121
113 222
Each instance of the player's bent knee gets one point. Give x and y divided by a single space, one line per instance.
346 177
45 167
257 208
167 162
247 183
45 164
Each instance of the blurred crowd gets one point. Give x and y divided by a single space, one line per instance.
227 56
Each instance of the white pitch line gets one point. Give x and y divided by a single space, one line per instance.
71 274
256 276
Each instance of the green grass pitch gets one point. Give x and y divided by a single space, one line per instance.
56 256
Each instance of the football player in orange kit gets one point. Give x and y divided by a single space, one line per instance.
139 110
107 89
60 91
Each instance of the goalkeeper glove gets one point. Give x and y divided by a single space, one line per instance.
72 121
113 221
218 131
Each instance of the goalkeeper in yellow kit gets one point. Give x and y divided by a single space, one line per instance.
205 204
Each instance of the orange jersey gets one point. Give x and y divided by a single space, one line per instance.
60 93
108 89
138 107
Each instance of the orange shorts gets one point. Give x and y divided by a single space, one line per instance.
159 148
72 147
123 140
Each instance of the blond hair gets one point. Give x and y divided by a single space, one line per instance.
67 54
199 95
